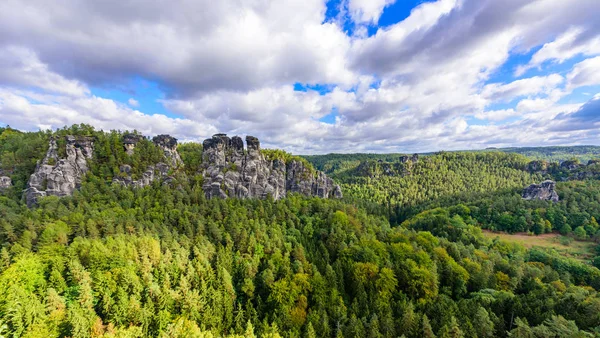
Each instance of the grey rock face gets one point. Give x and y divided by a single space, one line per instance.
570 165
229 171
60 177
169 145
130 141
543 191
5 182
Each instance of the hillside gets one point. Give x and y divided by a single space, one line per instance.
142 248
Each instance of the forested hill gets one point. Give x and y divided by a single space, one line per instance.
410 182
135 252
557 154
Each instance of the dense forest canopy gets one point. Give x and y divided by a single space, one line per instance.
403 254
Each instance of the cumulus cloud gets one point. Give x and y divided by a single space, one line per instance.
231 65
190 46
29 110
585 73
367 11
133 102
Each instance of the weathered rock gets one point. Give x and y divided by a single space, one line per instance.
60 177
152 173
159 171
169 145
130 141
570 165
5 183
543 191
230 172
415 158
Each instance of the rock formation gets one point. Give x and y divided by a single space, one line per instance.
160 170
5 183
169 145
130 141
570 165
60 177
229 171
543 191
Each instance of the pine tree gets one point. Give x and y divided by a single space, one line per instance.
427 330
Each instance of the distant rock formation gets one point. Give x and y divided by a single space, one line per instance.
5 183
160 171
130 141
570 165
169 146
543 191
229 171
60 177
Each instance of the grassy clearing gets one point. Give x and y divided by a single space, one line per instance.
581 250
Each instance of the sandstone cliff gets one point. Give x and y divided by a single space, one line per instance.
60 177
543 191
231 171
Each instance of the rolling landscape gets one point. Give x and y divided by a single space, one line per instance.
114 234
300 168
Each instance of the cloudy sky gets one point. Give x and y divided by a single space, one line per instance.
309 76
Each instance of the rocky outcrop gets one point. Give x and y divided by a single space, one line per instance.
152 173
60 177
229 171
543 191
5 183
130 141
169 146
570 165
159 171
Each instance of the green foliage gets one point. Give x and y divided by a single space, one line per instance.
285 157
165 262
433 178
191 155
19 153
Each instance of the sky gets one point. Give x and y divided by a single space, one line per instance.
309 76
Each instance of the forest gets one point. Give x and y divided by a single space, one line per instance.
401 255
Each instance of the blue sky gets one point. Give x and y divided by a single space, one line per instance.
323 76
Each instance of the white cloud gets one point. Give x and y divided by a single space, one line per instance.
190 46
531 86
565 47
367 11
30 111
133 103
585 73
21 67
230 66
